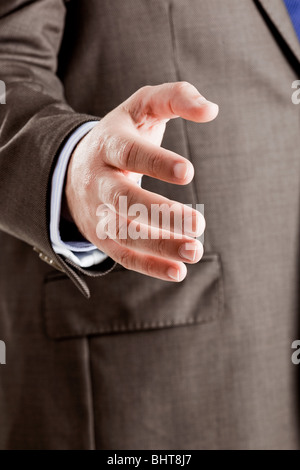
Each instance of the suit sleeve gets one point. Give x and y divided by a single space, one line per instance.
35 121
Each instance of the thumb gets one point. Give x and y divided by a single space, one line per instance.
168 101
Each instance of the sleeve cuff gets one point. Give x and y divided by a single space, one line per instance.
82 253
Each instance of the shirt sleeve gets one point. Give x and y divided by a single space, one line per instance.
82 253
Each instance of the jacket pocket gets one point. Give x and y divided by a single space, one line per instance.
124 301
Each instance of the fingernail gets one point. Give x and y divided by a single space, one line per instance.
201 101
173 273
189 251
180 170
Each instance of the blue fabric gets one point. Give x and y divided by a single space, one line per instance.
293 7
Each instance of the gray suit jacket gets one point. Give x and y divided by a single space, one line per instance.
121 360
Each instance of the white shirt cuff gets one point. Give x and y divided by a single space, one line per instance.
82 253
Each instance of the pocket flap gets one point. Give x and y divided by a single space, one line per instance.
124 301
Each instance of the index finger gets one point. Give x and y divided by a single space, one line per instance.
141 156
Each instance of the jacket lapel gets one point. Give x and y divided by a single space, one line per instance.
279 16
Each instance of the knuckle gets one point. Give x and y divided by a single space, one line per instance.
108 146
145 89
131 199
135 107
115 195
149 266
137 98
129 155
155 163
176 90
180 85
116 149
160 247
125 259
